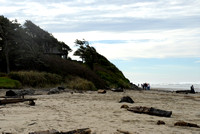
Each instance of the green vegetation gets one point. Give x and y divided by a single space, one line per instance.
8 83
3 74
36 79
28 47
79 84
101 66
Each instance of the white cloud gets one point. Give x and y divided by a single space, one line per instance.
162 24
78 11
141 44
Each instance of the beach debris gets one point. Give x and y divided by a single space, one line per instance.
31 103
117 90
53 131
150 111
77 131
32 123
19 93
101 91
125 106
182 123
61 88
15 100
123 132
126 99
10 93
25 92
185 91
160 122
54 91
192 91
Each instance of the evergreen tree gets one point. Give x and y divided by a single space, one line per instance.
8 34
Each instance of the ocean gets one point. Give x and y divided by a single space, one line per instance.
175 87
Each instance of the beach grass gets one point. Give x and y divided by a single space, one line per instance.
36 79
8 83
74 82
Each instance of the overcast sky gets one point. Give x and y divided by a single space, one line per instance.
156 41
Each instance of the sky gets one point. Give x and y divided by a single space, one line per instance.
154 41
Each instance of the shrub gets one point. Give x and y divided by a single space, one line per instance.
3 74
8 83
67 67
79 83
36 79
113 79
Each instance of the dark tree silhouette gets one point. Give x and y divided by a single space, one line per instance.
87 53
8 32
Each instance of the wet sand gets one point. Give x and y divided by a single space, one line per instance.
101 113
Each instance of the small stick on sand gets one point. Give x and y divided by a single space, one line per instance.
124 132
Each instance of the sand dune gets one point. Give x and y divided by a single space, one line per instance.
102 113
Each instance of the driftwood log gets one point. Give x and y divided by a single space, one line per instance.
117 90
46 132
101 91
124 132
150 111
182 123
185 91
15 100
77 131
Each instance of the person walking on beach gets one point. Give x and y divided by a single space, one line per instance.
192 89
148 86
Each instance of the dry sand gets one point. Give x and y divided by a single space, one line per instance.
102 113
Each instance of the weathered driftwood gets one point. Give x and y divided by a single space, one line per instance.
101 91
78 131
46 132
124 132
117 90
150 111
182 123
6 133
185 91
16 100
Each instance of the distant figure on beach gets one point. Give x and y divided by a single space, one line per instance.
148 86
192 89
145 86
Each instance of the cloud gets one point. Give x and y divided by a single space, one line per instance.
114 15
141 44
130 29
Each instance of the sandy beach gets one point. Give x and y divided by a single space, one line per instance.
101 113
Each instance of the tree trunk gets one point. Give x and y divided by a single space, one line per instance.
6 51
7 62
